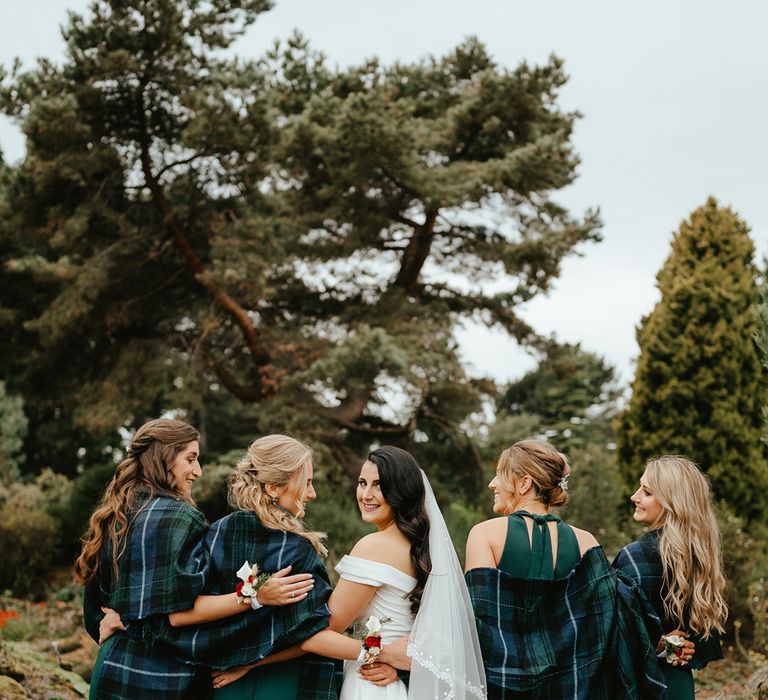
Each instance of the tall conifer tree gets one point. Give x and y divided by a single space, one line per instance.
700 387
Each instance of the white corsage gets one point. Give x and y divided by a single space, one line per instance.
372 639
673 646
250 582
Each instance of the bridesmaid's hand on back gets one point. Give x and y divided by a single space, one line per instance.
109 624
282 589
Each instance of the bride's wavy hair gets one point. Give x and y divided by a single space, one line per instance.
689 544
402 486
143 474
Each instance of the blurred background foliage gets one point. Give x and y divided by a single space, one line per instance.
284 246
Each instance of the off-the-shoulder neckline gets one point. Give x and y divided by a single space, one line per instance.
378 563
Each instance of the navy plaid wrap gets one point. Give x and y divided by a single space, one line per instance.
162 569
250 636
163 566
641 561
581 637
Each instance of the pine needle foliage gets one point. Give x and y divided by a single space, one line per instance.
700 387
297 238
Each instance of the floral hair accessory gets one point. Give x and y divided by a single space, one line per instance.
250 582
372 639
673 645
563 483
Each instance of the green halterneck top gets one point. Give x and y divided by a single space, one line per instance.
524 558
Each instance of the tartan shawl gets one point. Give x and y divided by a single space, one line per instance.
582 636
128 670
641 561
162 568
250 636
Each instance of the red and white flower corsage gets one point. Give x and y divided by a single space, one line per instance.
250 582
673 646
372 639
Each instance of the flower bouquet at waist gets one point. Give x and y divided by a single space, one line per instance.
372 639
673 645
250 582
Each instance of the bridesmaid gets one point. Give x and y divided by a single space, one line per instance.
679 565
269 489
550 618
143 556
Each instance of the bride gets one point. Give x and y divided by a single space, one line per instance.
407 575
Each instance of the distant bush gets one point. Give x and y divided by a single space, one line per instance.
24 629
30 536
460 520
746 570
210 491
28 542
73 513
596 498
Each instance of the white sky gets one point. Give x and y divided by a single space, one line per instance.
675 103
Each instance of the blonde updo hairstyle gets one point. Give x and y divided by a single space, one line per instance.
275 460
540 461
689 545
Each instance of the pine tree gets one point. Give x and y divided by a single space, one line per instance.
700 387
298 239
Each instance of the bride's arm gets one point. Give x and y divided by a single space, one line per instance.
347 601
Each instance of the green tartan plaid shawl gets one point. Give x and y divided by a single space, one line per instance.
641 561
163 567
581 637
250 636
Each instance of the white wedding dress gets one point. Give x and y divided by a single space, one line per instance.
388 602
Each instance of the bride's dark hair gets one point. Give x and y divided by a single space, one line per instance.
403 488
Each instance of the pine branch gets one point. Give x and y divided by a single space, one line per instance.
416 253
223 300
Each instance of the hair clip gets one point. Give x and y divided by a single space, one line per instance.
563 483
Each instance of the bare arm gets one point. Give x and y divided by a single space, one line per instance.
332 644
281 589
208 608
347 601
396 654
479 553
585 539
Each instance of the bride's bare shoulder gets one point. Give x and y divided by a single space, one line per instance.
386 548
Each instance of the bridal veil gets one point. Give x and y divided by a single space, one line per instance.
444 647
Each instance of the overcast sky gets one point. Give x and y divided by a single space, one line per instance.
675 103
